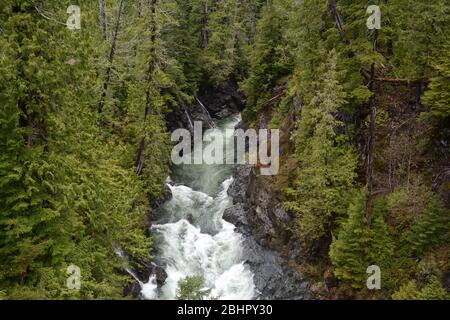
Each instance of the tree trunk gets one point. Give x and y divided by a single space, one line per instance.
337 17
371 140
103 21
204 35
150 73
139 9
253 20
236 33
141 156
112 53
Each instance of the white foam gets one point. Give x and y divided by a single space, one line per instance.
197 241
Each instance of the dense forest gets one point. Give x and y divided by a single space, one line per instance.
364 115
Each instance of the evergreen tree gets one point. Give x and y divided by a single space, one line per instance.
431 229
358 246
84 148
192 288
229 31
432 291
437 96
69 196
326 162
265 66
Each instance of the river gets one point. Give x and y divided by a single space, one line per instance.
192 239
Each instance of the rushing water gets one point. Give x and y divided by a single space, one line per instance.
192 237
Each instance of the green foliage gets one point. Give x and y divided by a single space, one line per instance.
327 163
266 63
432 291
192 288
358 245
431 229
438 94
293 65
69 193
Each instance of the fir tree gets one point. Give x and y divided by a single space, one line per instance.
437 96
358 246
265 65
432 291
192 288
431 228
326 162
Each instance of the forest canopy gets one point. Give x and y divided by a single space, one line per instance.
85 108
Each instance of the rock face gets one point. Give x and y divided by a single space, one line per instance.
223 100
144 274
259 217
218 103
160 275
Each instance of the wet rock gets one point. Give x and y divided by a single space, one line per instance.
260 218
222 100
239 187
133 290
237 215
142 273
282 215
266 225
272 278
160 274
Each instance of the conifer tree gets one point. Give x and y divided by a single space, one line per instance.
438 94
432 291
327 163
431 229
357 245
67 197
265 66
192 288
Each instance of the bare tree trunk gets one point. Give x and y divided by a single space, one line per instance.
337 17
139 8
150 73
371 140
204 35
253 20
112 53
140 160
236 33
30 124
103 21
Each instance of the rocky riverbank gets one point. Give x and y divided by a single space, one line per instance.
258 216
256 211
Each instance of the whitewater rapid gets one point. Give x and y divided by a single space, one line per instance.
192 237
